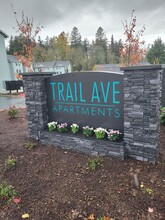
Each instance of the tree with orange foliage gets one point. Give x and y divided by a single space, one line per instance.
133 49
26 29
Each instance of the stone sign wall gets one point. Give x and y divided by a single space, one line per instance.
142 100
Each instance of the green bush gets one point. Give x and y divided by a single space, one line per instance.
12 112
30 145
7 192
94 163
10 162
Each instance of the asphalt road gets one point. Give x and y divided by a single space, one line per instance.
7 101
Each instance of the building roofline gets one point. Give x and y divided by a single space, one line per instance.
4 34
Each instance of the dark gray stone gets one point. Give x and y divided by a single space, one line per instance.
143 87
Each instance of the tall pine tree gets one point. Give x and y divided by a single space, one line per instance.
75 38
101 46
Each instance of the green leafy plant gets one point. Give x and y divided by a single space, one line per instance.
7 192
74 128
162 115
52 126
10 162
114 135
12 112
149 191
100 133
87 131
146 190
62 127
94 163
30 145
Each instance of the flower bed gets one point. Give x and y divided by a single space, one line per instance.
100 133
83 140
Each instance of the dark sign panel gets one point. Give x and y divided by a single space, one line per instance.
86 98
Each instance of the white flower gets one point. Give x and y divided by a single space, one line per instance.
88 128
53 123
100 130
74 125
111 132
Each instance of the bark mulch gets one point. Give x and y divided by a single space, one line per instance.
57 184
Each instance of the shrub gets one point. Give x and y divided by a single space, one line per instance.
30 145
7 192
12 112
94 163
10 162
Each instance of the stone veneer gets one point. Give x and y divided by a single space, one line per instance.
142 95
142 92
36 103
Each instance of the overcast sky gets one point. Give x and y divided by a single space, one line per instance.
87 15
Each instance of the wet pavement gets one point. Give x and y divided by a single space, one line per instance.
7 101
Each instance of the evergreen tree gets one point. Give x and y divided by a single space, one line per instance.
114 50
92 57
112 44
156 54
111 52
15 44
75 38
101 38
118 45
101 46
86 45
